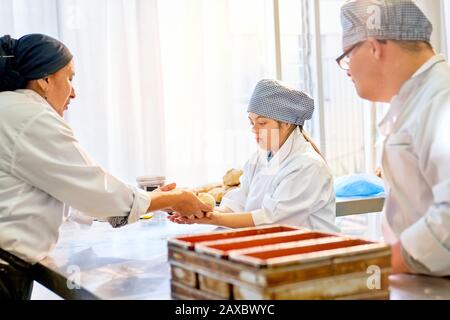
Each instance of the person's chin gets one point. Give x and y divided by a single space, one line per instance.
361 93
62 111
369 96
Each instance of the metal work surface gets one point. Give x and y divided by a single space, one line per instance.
131 263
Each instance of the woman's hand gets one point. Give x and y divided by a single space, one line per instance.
188 205
168 187
229 220
177 218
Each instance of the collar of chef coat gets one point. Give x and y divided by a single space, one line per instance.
272 166
387 125
33 95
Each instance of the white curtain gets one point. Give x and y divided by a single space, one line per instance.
18 17
118 114
162 86
213 54
446 15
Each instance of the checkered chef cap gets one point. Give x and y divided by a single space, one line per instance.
383 20
275 100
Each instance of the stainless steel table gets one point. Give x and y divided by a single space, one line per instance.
353 206
131 263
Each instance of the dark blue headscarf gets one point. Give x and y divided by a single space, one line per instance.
31 57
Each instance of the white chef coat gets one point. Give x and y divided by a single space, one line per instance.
416 165
43 170
295 188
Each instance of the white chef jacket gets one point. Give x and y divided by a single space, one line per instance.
295 188
416 165
43 170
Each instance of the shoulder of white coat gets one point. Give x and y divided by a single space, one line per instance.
437 108
436 88
306 160
18 109
20 115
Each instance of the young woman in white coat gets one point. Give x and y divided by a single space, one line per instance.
287 181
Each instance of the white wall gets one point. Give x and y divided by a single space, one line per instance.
446 23
433 10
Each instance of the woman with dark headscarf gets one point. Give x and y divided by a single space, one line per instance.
43 169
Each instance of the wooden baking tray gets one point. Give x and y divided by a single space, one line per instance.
222 248
189 242
305 251
276 262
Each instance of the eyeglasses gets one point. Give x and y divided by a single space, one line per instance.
344 60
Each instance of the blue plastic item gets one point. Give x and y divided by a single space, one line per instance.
360 185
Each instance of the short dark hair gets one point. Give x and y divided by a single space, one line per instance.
413 46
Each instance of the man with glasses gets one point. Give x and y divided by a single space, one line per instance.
387 54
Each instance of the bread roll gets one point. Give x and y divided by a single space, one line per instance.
231 178
207 187
227 188
207 198
217 194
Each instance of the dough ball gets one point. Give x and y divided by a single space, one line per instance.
217 194
227 188
207 187
231 178
207 198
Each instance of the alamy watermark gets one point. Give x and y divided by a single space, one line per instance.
74 278
374 19
374 280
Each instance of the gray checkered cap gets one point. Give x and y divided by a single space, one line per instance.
383 20
275 100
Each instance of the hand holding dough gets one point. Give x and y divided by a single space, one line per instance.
206 198
217 194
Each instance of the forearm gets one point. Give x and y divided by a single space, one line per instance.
223 210
397 260
164 200
232 220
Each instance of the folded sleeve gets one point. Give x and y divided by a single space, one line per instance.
48 157
428 240
423 252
